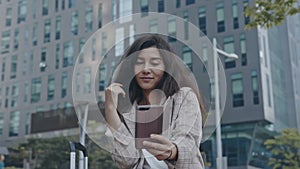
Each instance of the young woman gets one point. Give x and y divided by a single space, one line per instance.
153 67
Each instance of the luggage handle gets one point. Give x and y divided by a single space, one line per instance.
76 145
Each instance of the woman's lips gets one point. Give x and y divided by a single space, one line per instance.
146 79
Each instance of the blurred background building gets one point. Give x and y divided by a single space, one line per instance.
41 40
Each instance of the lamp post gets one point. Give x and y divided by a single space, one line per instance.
220 161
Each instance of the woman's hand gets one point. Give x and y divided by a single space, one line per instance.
111 102
161 147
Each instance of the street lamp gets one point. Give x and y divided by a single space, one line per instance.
220 160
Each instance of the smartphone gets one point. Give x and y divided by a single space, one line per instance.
149 120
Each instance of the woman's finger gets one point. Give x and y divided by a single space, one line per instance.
156 146
160 139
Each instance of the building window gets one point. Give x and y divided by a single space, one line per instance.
89 19
64 81
14 123
68 54
34 8
153 26
102 76
51 87
205 58
36 84
254 81
71 3
189 2
178 3
24 65
186 24
87 80
74 23
125 9
56 5
243 49
14 95
237 90
22 11
5 42
114 10
202 19
119 40
43 59
27 122
34 34
57 54
0 97
160 6
47 30
100 15
3 69
6 96
247 19
45 7
13 67
235 14
1 122
17 39
103 43
269 90
57 27
94 46
8 16
131 33
220 17
229 48
31 62
26 91
144 7
63 4
171 29
187 57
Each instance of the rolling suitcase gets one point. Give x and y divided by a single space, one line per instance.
80 147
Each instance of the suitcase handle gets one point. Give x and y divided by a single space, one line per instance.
76 145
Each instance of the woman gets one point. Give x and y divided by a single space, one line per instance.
155 68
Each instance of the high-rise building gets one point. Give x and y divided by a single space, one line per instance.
41 40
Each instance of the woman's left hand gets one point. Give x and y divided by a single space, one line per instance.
161 147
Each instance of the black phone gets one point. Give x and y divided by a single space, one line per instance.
149 120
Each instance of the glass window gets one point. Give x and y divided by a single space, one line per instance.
68 54
144 7
51 87
114 10
26 91
94 43
47 30
187 57
205 57
247 19
5 42
100 15
243 49
14 123
14 95
104 43
8 16
102 76
89 19
202 19
43 59
81 43
17 39
3 69
74 23
31 63
57 56
229 48
13 66
63 4
237 90
45 7
36 84
87 80
186 24
178 3
57 27
171 29
153 26
125 9
56 5
235 14
1 122
64 81
220 17
0 97
24 65
131 34
22 11
71 3
27 122
254 81
119 40
189 2
161 6
34 34
6 96
34 8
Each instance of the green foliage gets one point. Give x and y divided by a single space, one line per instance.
269 13
285 149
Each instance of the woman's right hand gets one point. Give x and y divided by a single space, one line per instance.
112 93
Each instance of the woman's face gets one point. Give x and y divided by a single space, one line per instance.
149 68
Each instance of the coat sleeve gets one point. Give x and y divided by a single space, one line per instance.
187 132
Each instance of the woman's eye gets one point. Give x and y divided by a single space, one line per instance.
139 62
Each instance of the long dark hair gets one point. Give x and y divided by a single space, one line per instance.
169 84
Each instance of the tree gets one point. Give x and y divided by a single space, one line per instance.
285 149
269 13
